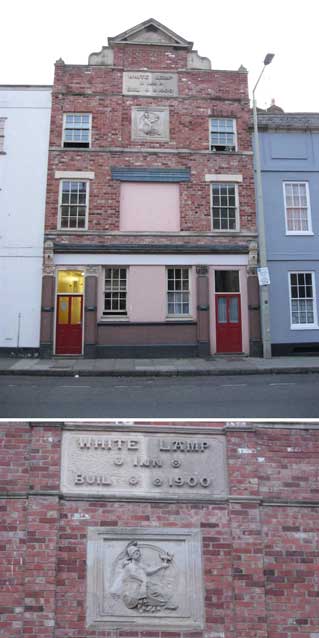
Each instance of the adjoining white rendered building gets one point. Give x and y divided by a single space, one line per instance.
24 140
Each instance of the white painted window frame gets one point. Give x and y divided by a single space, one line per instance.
74 230
222 231
222 117
304 326
298 232
113 316
64 127
189 315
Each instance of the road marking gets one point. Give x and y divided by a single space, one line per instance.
288 383
76 387
233 385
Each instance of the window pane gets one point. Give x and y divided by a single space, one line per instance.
222 310
76 310
74 194
222 133
77 129
234 310
63 312
227 281
177 291
297 207
224 212
115 291
302 301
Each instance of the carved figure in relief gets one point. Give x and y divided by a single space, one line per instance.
132 580
149 123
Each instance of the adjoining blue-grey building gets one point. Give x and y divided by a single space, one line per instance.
289 148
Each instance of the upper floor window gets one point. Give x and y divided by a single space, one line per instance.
302 300
178 291
115 291
77 130
2 122
297 208
225 207
73 204
223 134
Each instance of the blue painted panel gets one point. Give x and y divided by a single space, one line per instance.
289 150
151 174
288 146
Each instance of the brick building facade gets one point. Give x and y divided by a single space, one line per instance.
258 542
150 217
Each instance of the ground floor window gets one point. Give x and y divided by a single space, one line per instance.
178 291
115 291
302 299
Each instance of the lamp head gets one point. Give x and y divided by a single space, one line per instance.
269 57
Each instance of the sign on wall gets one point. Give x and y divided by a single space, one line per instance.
148 83
144 465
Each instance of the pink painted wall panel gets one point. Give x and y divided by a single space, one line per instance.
149 207
147 293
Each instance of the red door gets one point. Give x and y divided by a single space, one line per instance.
69 324
228 323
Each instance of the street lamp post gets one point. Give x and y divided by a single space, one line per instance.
264 288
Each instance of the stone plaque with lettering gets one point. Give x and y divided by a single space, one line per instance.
150 123
144 578
144 465
149 83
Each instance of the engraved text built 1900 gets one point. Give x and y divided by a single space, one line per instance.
144 465
146 83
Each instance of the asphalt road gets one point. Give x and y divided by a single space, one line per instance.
229 397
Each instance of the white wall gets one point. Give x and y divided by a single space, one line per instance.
23 174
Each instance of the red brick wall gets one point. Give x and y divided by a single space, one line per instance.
260 546
202 94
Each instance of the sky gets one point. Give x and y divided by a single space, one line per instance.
35 34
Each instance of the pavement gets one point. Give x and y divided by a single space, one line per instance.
216 365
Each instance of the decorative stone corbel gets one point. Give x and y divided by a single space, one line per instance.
48 258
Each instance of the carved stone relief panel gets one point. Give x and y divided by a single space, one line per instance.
150 123
144 465
144 578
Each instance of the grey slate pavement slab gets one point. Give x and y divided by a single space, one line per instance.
219 365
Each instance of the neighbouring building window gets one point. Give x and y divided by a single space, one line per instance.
178 291
2 122
115 291
77 130
73 204
297 208
223 134
225 207
302 299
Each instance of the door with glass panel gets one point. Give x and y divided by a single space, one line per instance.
228 312
69 313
